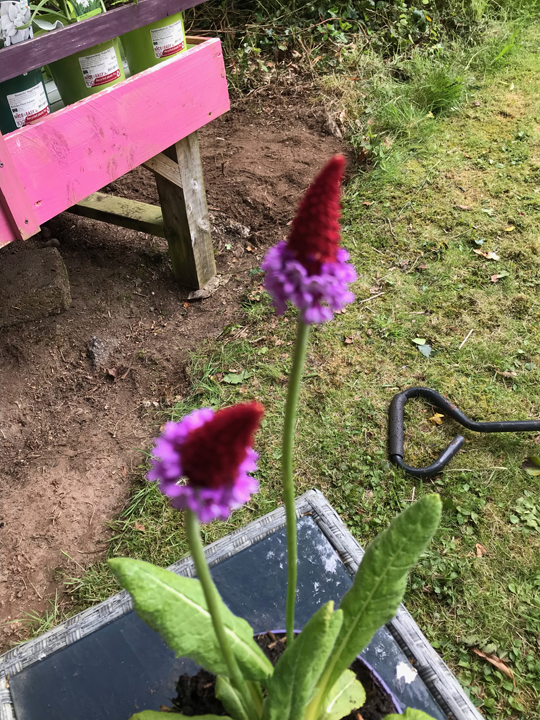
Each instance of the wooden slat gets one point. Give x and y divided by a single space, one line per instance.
164 167
185 216
15 207
195 39
78 150
31 54
124 212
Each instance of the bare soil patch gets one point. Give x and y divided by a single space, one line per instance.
76 412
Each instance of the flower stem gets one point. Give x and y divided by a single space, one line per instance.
213 602
287 471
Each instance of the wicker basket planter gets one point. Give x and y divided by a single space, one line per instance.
105 663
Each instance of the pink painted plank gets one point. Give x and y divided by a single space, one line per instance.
80 149
15 206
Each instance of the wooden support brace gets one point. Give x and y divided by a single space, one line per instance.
182 219
164 167
185 215
127 213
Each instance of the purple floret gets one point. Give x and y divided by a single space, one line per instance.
287 279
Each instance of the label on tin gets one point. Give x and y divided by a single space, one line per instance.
28 106
101 68
168 40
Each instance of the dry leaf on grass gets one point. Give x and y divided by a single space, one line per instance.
490 255
531 465
139 526
481 550
436 419
496 662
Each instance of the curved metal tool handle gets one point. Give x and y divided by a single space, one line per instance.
396 428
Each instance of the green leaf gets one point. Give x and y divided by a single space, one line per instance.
236 378
419 341
409 714
298 670
156 715
380 582
531 465
46 25
175 607
346 695
231 700
426 350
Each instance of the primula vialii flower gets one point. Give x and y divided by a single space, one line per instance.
310 268
212 451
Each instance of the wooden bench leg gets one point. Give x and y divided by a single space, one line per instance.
185 213
183 218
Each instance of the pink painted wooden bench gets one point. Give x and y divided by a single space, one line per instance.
61 162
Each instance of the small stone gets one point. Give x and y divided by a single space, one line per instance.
205 292
53 242
237 228
331 127
46 234
99 350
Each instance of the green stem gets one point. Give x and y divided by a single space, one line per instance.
299 357
213 602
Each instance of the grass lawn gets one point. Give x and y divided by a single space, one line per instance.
472 183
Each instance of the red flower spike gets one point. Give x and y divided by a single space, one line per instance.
211 454
315 233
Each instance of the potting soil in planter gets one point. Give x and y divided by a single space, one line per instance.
154 43
23 100
196 693
88 71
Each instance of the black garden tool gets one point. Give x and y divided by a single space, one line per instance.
396 426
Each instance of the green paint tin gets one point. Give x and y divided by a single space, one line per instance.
154 43
88 71
23 100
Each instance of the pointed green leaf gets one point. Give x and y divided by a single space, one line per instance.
298 670
409 714
346 695
232 702
175 607
379 584
156 715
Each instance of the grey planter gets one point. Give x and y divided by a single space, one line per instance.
95 665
